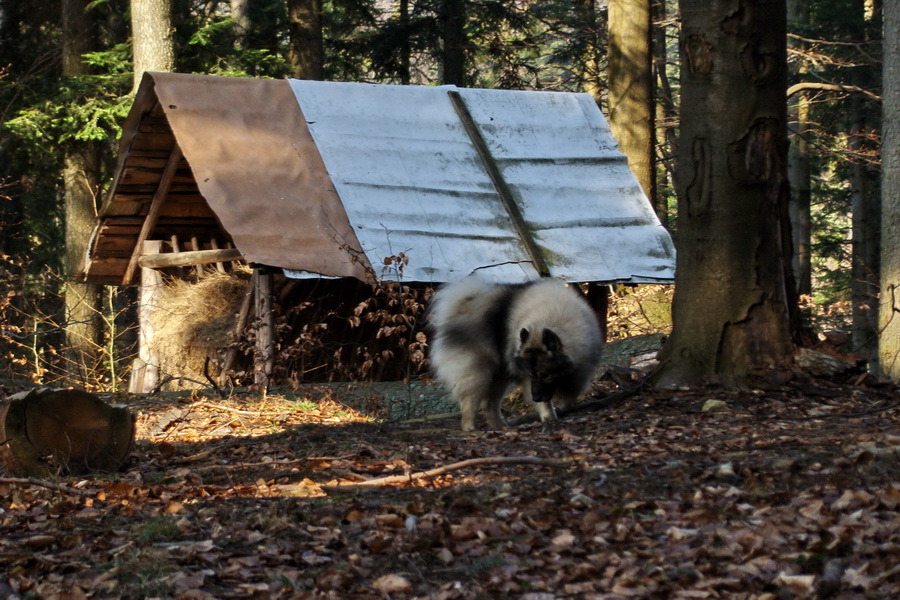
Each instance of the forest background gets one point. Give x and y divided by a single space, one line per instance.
67 74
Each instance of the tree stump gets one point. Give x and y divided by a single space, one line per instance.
47 432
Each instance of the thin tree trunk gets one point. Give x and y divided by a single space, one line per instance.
153 41
240 14
889 316
734 305
866 209
453 37
306 51
590 62
667 115
80 181
631 108
405 49
799 169
800 172
864 246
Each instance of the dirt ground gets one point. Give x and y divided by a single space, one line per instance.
776 492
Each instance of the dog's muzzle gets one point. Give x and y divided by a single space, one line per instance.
542 392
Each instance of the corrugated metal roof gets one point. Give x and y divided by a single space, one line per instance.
331 178
411 181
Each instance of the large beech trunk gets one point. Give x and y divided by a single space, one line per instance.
889 316
734 293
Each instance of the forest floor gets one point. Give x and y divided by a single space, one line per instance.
778 492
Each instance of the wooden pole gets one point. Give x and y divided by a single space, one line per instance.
239 329
145 370
265 334
598 298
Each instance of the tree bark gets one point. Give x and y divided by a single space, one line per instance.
667 115
81 163
799 166
240 14
631 109
453 37
153 41
734 306
405 46
865 205
306 51
586 11
889 314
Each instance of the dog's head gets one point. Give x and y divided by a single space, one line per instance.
544 360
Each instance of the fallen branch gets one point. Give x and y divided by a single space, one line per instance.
472 462
53 486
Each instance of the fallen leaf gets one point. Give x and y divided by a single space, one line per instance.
392 584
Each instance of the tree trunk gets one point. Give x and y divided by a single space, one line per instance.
80 179
453 37
240 14
799 166
889 317
666 115
734 302
865 244
306 51
631 109
586 11
800 173
866 210
154 45
405 46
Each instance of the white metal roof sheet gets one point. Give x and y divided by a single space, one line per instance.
411 181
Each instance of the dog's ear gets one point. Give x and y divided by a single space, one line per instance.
551 341
523 336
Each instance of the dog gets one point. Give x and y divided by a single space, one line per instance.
488 337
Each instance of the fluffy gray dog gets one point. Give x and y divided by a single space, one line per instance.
488 337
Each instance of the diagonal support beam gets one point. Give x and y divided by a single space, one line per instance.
165 182
503 190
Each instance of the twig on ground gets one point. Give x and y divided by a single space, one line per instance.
65 489
472 462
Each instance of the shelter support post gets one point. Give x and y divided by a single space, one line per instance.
145 369
265 333
598 298
243 316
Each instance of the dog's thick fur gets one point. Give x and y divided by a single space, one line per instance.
541 335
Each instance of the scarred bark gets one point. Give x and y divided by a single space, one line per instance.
734 296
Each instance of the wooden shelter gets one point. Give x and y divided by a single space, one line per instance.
326 179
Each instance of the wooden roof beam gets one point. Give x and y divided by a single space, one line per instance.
189 259
153 213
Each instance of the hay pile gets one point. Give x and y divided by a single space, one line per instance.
193 321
